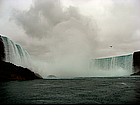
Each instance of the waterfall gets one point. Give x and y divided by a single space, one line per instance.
112 66
15 54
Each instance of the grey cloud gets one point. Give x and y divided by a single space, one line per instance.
37 20
121 27
79 1
1 3
43 16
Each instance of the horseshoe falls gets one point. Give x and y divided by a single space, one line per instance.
112 66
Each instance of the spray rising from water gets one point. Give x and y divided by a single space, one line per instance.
63 40
66 39
112 66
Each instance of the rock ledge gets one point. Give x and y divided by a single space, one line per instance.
11 72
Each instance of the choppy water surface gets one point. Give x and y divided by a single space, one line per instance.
124 90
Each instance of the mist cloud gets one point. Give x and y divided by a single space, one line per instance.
40 18
59 36
53 33
43 16
118 22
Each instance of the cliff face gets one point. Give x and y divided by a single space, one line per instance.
10 72
135 74
136 62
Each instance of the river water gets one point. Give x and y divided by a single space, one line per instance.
77 91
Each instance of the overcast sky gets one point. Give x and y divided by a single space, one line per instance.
72 26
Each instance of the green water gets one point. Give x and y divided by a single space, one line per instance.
123 90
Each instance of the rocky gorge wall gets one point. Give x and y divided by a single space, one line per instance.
11 72
136 62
